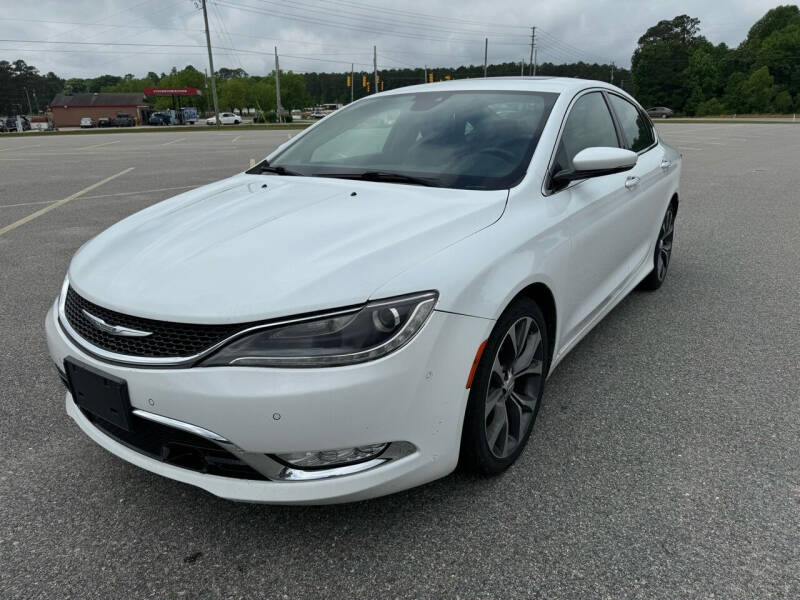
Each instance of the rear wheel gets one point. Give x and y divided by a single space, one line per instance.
663 252
506 390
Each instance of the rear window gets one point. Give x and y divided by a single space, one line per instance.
636 127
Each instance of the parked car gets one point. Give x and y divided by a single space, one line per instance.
13 123
660 112
366 308
3 126
190 115
158 118
225 118
105 122
124 120
87 122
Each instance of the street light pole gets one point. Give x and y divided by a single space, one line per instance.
211 66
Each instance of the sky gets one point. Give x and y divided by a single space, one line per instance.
87 38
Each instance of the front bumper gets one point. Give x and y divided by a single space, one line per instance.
415 395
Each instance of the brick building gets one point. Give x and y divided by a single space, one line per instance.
69 109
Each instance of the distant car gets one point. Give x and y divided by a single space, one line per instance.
159 118
318 115
104 122
124 120
225 119
11 124
190 115
87 122
660 112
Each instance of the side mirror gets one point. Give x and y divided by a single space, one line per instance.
596 162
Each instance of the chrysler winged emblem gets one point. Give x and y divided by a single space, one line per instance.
114 329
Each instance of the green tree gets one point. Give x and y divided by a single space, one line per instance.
701 78
783 102
660 60
758 91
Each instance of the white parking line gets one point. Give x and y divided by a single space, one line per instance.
233 141
166 189
23 148
61 202
98 145
173 142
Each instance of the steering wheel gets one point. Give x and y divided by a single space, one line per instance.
500 153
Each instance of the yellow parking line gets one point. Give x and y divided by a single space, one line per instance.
61 202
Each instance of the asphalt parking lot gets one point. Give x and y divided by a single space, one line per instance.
665 462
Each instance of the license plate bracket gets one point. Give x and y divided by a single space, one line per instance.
101 394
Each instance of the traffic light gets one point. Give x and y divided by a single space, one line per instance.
430 77
365 79
364 82
381 84
349 82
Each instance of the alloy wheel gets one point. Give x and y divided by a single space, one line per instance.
664 245
514 386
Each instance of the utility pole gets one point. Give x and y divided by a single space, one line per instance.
612 73
425 75
485 55
211 67
278 107
30 108
534 60
375 67
35 101
352 82
533 41
522 67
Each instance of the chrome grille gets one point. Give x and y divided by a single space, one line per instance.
168 339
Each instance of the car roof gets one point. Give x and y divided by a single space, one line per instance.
533 84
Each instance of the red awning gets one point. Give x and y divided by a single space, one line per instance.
172 91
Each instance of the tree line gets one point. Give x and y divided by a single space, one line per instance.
673 65
676 67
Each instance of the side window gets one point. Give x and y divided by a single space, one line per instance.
589 124
637 129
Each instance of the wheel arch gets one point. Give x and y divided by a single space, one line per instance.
540 293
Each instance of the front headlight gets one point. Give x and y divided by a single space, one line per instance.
346 338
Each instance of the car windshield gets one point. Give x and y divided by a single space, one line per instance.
465 139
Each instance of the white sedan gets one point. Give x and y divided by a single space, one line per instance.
225 118
380 299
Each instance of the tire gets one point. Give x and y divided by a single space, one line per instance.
506 391
663 252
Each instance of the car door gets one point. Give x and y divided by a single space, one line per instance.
649 184
598 213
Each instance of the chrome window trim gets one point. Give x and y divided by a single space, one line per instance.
545 190
641 112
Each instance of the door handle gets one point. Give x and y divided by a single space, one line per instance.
632 182
666 164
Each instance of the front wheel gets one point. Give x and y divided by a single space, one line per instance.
506 390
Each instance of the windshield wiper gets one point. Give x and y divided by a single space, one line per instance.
386 176
278 170
265 167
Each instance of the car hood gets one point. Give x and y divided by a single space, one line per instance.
256 246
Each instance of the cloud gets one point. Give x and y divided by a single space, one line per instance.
328 36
